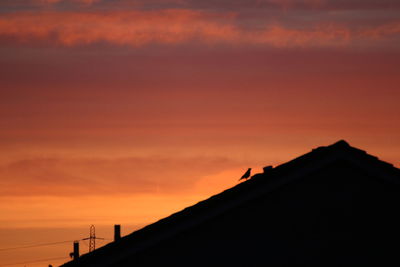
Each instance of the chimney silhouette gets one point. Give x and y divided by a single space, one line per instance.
76 250
267 168
117 232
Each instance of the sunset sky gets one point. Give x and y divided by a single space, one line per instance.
125 111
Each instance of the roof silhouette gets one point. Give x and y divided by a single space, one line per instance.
320 162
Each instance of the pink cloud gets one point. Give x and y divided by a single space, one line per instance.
383 31
139 28
133 28
329 35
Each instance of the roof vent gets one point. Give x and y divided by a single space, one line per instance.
267 168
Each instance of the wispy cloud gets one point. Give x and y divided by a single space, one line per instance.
61 176
87 2
134 28
178 26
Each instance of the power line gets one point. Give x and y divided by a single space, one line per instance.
35 261
44 244
36 245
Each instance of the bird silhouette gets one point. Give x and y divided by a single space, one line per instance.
246 175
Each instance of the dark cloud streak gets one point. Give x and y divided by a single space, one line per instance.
232 5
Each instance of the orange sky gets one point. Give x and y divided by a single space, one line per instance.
126 111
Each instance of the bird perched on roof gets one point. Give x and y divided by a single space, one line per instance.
246 175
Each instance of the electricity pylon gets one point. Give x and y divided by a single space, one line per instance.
92 238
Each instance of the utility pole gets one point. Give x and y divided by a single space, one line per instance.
92 238
117 232
75 254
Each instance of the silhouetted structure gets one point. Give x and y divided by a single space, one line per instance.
92 238
336 205
246 175
117 232
75 254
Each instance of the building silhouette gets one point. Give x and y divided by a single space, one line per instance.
336 205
